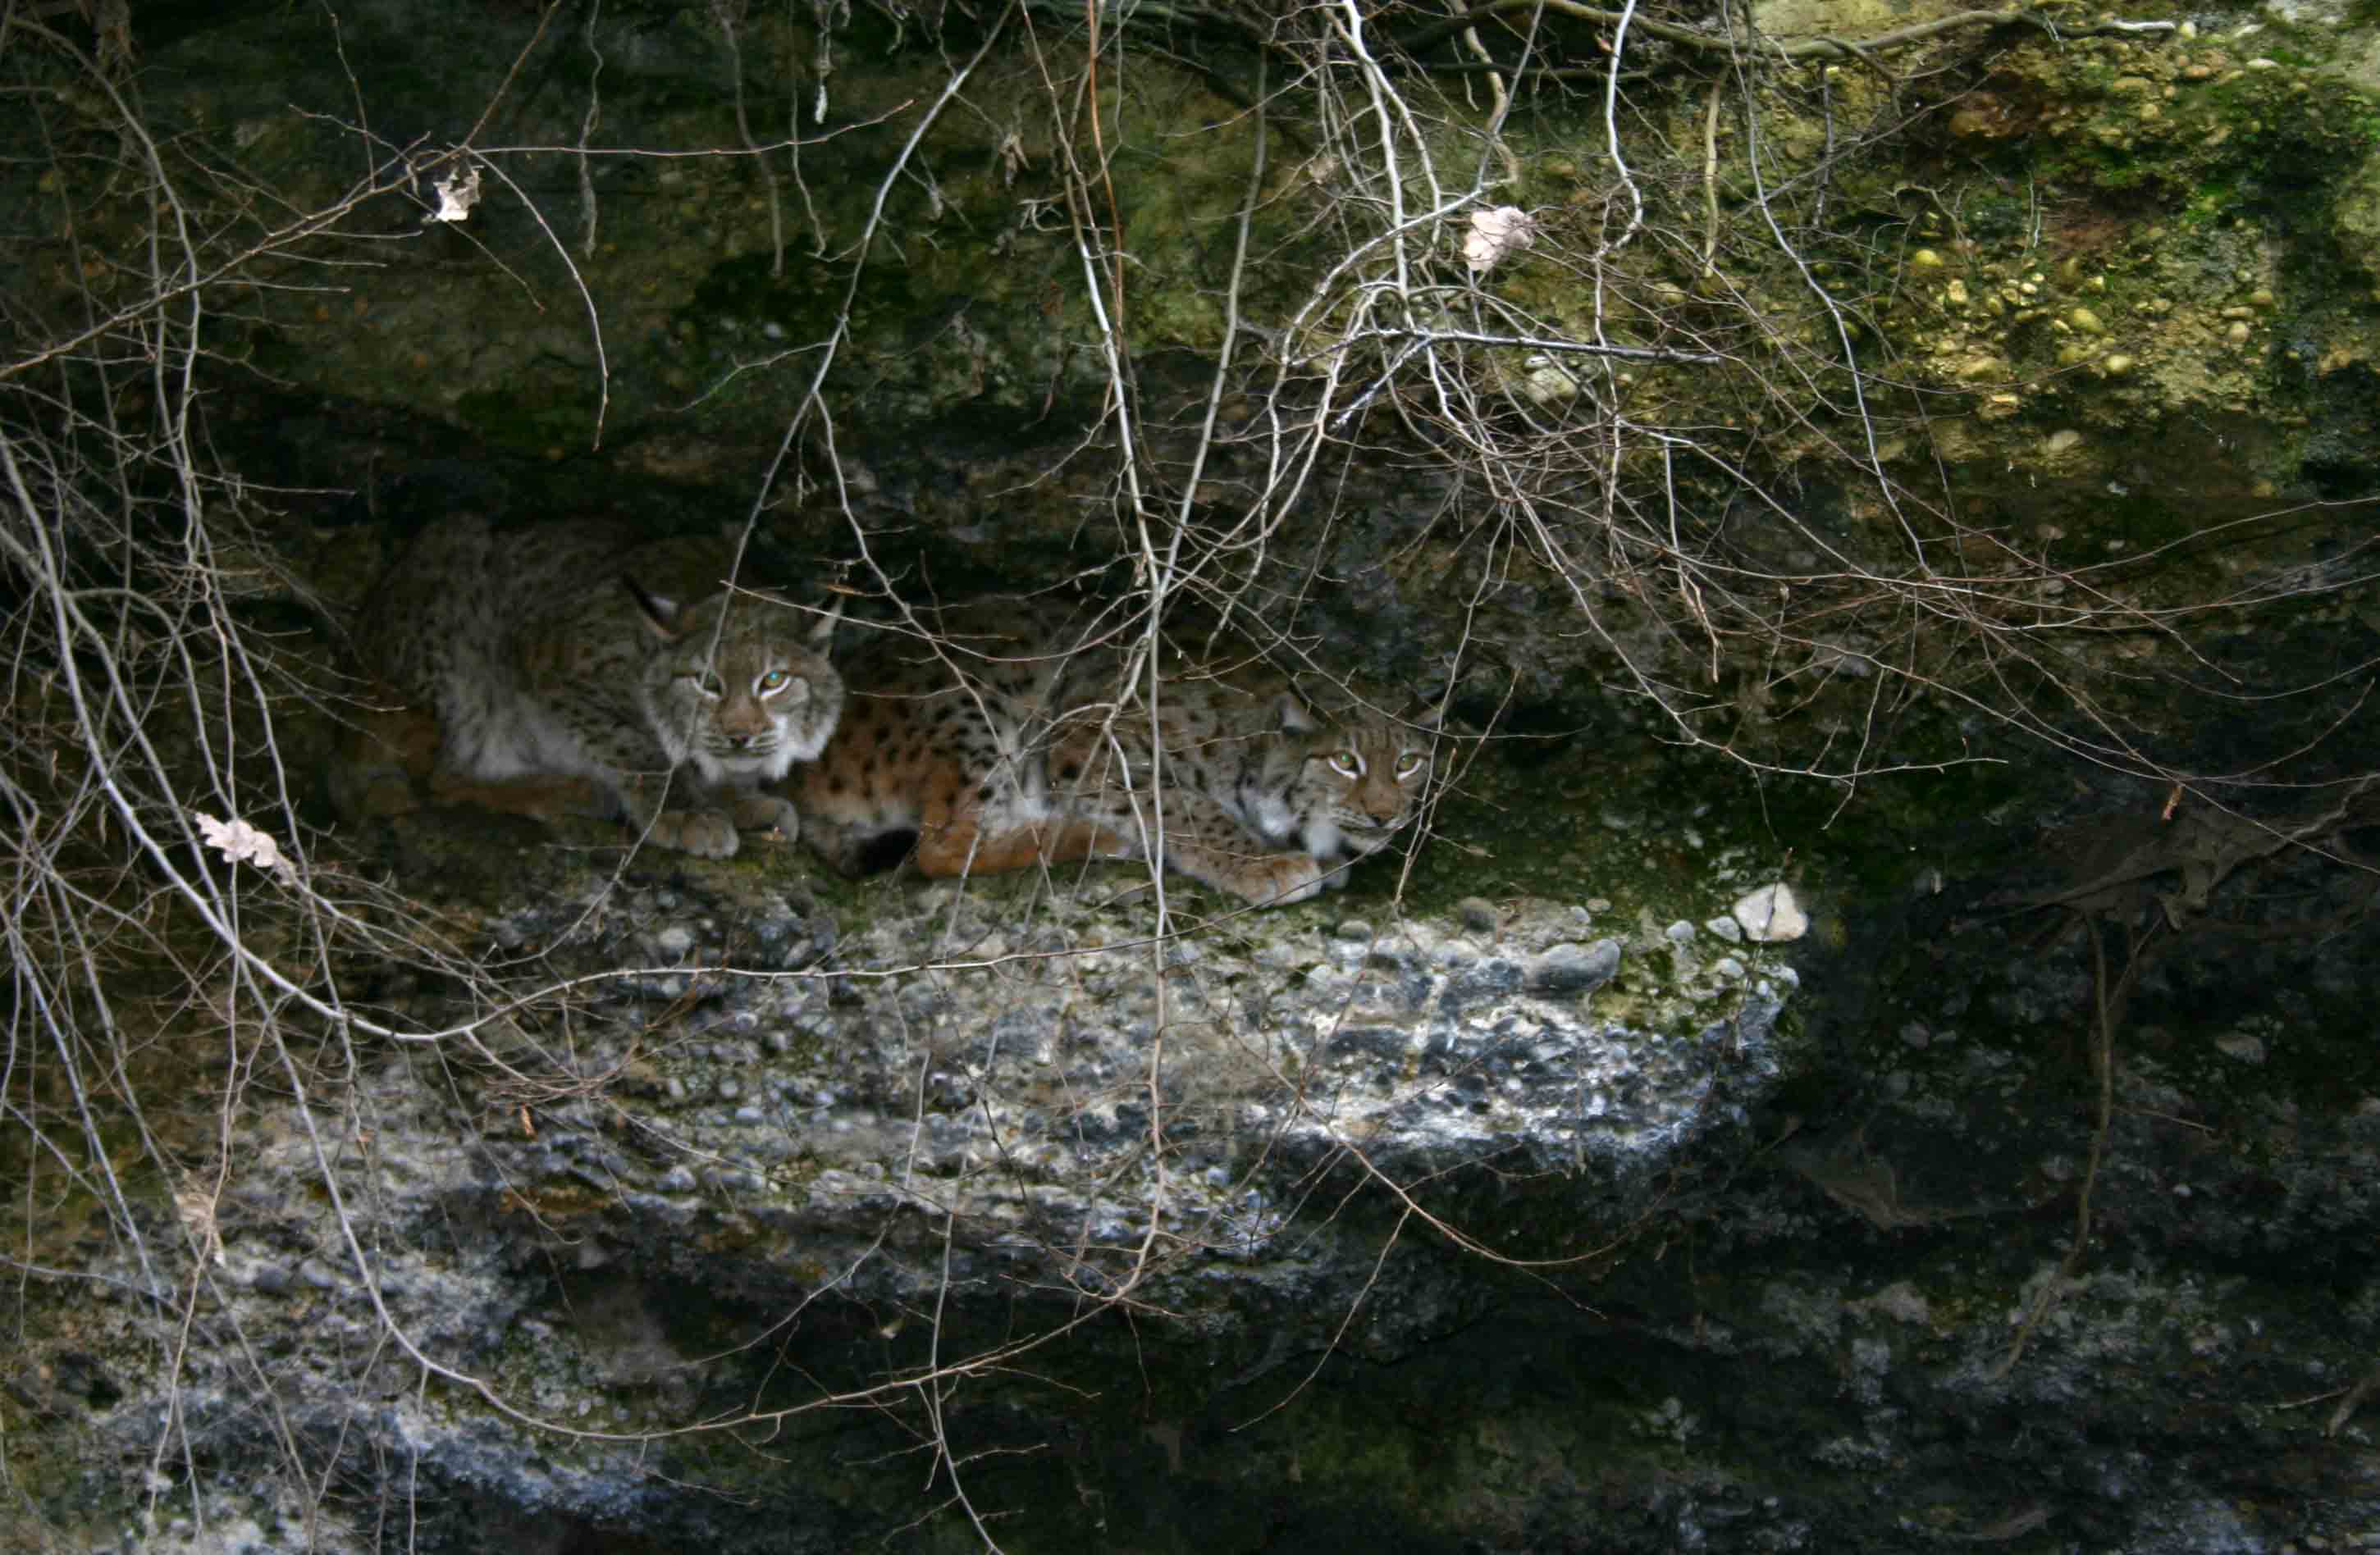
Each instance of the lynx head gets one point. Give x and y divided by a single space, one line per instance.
1347 783
739 686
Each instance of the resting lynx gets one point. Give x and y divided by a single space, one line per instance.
568 674
1020 762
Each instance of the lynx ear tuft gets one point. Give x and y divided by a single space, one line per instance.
665 616
1292 715
822 632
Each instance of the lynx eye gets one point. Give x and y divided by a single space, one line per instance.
1347 764
707 681
1409 764
771 683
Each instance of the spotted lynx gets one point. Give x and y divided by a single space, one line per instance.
1007 748
568 673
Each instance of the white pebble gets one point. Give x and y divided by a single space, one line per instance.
1770 915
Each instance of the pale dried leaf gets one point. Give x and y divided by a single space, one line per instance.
1496 233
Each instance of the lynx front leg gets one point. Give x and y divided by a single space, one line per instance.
954 840
706 834
389 765
540 799
1265 879
1027 845
1203 841
756 810
708 824
706 821
384 758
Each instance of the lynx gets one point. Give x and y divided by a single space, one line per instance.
572 669
1002 748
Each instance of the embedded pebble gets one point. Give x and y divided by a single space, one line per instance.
1570 971
1900 1301
2240 1046
1478 915
1770 915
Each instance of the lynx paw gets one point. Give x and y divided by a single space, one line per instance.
706 834
767 813
1281 878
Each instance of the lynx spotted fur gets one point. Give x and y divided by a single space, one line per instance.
571 669
1003 746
